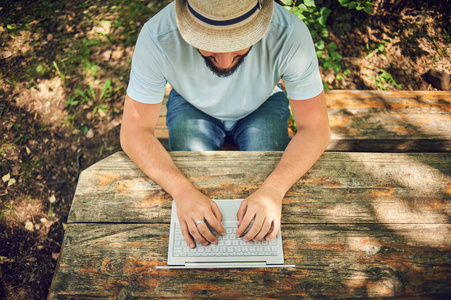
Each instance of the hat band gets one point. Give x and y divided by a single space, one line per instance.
224 22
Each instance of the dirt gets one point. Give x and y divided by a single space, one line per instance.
46 143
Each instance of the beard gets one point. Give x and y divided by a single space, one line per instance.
224 72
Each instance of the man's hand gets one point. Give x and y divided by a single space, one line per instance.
264 206
194 206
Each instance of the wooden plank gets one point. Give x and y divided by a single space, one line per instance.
118 261
389 121
340 188
378 121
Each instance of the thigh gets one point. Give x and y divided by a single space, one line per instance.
190 129
266 129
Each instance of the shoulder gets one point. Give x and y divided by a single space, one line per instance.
285 19
161 24
286 27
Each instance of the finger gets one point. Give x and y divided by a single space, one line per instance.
264 231
255 229
275 230
195 233
241 212
215 224
245 222
216 211
189 241
206 233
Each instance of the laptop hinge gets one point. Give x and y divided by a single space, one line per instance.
226 265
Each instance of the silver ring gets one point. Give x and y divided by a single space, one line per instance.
200 221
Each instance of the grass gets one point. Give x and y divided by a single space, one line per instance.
383 80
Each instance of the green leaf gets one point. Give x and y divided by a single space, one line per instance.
309 3
302 7
352 5
327 65
325 12
51 208
71 102
287 2
39 68
332 46
336 67
298 12
91 91
322 20
344 2
319 26
320 45
84 129
314 34
106 88
368 8
336 56
80 93
324 33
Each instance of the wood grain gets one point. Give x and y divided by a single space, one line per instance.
117 260
340 188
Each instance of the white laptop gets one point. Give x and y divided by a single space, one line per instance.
230 252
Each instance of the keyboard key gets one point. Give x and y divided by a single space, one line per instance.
228 245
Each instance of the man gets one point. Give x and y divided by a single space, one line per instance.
223 59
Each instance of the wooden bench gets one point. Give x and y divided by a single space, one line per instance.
357 225
373 121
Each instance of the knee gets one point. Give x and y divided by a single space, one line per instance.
263 136
194 135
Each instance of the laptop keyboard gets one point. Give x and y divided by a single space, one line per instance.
228 245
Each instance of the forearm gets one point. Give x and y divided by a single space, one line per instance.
151 157
265 204
300 155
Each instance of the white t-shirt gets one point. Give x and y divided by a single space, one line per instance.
162 55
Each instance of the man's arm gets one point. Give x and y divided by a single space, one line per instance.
310 141
140 144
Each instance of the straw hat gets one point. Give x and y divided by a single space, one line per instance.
223 25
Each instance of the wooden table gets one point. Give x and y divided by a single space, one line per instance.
356 225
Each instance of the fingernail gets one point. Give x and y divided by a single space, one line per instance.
246 240
191 246
205 244
237 235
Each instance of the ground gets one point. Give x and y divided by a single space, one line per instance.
64 69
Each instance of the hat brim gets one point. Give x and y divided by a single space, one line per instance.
223 40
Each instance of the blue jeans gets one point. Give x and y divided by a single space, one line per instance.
265 129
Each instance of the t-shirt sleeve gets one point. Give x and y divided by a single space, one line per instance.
147 83
301 75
